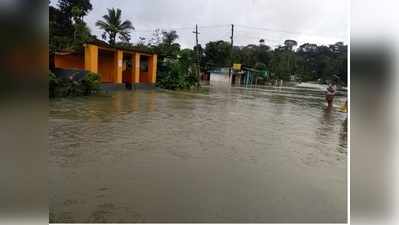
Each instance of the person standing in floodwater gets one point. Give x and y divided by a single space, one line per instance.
330 94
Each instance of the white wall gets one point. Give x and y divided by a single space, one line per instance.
216 78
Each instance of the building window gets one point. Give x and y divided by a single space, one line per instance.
144 66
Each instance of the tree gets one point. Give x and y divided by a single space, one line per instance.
125 37
168 48
279 65
68 5
309 62
284 62
178 73
263 54
187 57
141 40
217 53
113 26
322 62
169 37
290 44
176 67
187 60
252 54
60 29
67 30
75 9
81 34
156 38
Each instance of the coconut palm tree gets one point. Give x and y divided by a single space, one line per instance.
112 26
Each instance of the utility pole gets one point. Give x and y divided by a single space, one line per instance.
232 35
231 51
197 70
196 34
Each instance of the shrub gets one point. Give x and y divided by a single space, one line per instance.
90 83
172 74
52 84
67 86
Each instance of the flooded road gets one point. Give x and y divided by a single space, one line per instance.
221 155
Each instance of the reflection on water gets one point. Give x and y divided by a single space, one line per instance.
219 155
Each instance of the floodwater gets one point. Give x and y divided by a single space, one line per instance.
220 155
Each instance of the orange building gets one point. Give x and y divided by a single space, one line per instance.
114 65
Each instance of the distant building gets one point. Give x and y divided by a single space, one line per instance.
220 76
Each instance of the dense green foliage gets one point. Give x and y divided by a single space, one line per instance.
67 29
308 62
217 53
65 87
322 62
166 46
176 68
174 75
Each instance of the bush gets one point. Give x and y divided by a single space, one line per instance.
90 83
52 84
67 86
173 75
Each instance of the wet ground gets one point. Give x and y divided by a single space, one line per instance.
221 155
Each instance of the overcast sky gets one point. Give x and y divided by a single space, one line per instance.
315 21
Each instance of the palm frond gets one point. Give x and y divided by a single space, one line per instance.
107 18
118 14
102 25
126 25
112 24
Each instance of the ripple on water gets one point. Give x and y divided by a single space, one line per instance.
140 151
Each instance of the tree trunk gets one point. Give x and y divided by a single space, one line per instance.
112 38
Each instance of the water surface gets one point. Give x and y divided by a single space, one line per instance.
221 155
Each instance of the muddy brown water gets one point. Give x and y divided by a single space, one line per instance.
220 155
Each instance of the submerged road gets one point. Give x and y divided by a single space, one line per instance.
221 155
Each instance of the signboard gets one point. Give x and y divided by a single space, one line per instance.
237 66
